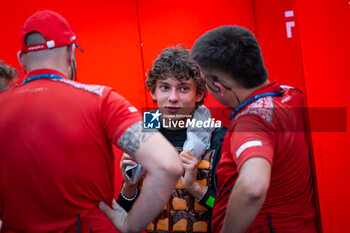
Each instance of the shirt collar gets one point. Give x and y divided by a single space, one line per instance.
44 71
271 87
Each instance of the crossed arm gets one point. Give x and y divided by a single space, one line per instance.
190 163
164 168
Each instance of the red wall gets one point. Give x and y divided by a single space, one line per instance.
163 24
325 45
122 38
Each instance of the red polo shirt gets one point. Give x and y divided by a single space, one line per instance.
56 158
271 128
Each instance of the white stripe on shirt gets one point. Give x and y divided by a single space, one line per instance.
247 145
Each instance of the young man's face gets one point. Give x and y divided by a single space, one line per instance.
176 97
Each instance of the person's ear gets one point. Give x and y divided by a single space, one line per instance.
71 53
153 94
199 96
20 59
222 89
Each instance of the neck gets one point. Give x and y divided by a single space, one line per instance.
55 59
244 93
43 66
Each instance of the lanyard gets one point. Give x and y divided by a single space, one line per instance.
252 99
41 76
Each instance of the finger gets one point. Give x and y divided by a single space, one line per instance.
185 162
187 152
126 156
186 155
114 204
188 167
188 161
111 214
183 154
128 162
191 160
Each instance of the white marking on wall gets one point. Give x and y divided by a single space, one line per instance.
289 14
289 24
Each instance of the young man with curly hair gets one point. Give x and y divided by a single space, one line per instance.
176 86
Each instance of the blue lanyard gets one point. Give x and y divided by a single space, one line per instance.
41 76
252 99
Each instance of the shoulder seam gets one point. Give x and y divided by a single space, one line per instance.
94 89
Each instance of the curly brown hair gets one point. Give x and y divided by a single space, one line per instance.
175 62
7 72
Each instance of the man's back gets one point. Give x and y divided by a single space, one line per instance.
56 157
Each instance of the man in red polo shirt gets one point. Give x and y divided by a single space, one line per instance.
264 175
56 135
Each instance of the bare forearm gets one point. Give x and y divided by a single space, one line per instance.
197 190
248 195
160 159
241 211
155 193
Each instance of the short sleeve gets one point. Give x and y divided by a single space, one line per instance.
118 115
252 137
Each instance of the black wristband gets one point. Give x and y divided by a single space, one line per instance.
208 198
127 203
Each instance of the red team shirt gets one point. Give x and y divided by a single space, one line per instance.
271 128
56 157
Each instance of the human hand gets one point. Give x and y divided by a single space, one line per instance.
117 215
190 163
129 186
125 161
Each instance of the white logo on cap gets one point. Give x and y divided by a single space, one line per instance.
36 47
73 38
50 44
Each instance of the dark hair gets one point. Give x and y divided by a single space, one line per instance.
7 72
175 62
233 50
34 38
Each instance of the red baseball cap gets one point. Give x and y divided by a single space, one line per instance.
56 30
